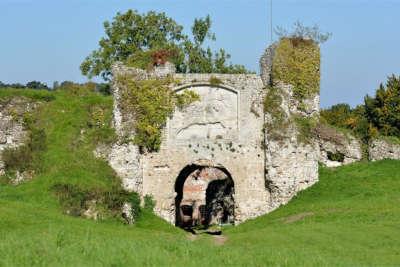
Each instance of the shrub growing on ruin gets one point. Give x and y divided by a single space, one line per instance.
149 203
306 128
297 62
278 124
302 32
335 156
214 81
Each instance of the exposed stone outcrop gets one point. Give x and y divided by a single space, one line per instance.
12 131
124 158
383 149
337 148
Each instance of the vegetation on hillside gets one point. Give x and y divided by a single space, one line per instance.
145 40
63 134
378 116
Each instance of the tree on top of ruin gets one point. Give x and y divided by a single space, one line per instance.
143 40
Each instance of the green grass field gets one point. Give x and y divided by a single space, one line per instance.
350 218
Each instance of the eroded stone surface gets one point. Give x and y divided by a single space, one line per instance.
290 165
12 131
383 149
331 141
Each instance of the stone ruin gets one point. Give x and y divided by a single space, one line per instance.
12 131
217 164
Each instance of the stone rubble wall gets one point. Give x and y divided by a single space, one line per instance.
383 149
333 141
290 165
12 131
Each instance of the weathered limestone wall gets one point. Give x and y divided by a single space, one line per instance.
290 165
332 141
382 149
12 132
223 129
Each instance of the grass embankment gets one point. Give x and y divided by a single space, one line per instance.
350 218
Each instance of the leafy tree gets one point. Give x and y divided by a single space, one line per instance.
36 85
379 115
103 88
338 115
383 110
128 34
13 85
148 39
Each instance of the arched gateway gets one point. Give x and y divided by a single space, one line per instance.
218 161
204 197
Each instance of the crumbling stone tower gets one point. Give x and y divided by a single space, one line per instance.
239 152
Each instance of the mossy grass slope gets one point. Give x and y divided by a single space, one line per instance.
350 218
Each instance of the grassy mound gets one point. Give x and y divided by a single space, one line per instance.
350 218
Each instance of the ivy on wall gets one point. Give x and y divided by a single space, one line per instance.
151 102
279 122
297 62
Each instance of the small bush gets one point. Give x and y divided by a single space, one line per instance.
214 81
149 203
75 199
134 200
306 127
272 105
301 32
17 158
335 156
186 98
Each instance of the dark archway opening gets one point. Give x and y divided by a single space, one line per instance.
204 197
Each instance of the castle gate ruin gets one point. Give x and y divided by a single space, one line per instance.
217 163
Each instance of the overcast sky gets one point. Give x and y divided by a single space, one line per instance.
47 40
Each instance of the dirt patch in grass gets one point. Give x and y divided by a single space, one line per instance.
192 237
220 240
297 217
